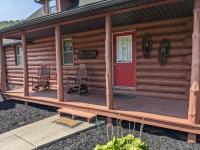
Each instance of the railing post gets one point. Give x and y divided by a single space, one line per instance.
25 65
2 68
108 60
59 65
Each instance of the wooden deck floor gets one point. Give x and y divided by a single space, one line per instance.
165 113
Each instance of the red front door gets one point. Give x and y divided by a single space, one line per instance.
124 59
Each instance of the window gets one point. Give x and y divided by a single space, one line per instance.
19 55
52 6
67 52
124 49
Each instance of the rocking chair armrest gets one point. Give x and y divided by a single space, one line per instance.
34 78
71 78
68 80
85 78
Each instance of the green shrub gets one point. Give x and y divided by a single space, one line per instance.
128 142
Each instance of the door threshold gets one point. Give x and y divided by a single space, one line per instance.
124 88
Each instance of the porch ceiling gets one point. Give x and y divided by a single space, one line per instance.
180 9
163 12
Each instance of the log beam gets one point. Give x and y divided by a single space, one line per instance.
25 65
109 121
195 74
192 138
108 60
2 68
59 66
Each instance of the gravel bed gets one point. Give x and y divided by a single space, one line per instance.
14 114
156 138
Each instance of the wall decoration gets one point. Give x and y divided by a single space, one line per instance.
88 54
164 51
147 45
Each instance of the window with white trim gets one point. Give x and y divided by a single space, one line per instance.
68 56
52 6
19 56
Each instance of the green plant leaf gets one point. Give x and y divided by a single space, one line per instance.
128 142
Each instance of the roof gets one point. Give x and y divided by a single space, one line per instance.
86 2
40 13
179 9
76 11
36 14
38 1
81 2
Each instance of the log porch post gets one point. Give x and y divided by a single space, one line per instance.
2 68
108 59
195 72
193 112
59 66
25 65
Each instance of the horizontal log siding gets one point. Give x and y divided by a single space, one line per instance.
42 52
96 67
39 53
171 80
14 73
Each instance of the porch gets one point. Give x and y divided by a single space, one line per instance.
42 45
142 109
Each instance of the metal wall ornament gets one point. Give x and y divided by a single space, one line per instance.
147 45
164 51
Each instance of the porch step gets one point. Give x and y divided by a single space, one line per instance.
87 115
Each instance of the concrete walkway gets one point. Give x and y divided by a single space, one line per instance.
37 134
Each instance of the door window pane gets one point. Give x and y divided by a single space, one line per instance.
124 49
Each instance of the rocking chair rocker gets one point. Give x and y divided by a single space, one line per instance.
78 84
41 83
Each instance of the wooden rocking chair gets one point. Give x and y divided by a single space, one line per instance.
41 83
78 84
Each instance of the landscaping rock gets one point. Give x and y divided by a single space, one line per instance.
156 138
14 114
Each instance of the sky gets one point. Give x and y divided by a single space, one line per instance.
17 9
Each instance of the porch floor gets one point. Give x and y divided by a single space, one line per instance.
167 113
136 103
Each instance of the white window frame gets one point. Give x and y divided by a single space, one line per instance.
63 52
50 7
19 56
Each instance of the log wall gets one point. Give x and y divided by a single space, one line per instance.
171 80
174 77
96 67
14 73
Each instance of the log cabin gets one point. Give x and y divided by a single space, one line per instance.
146 69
